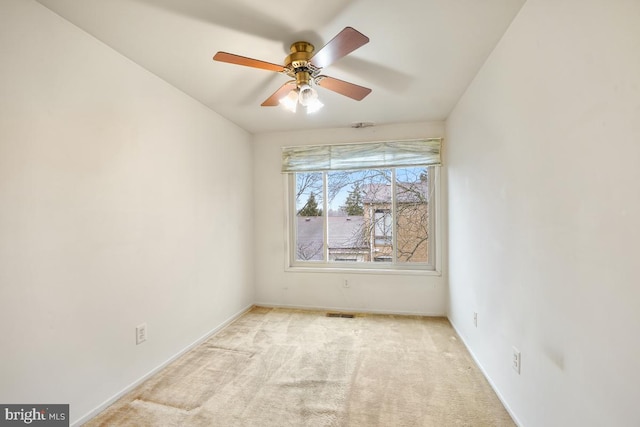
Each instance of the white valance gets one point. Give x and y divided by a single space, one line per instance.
316 158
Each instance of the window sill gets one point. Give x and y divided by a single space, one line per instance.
324 268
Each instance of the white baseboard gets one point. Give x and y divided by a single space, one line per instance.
484 372
86 417
351 310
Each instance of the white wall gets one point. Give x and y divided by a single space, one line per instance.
119 204
396 293
543 153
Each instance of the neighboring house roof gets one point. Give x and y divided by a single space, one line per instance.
413 192
345 232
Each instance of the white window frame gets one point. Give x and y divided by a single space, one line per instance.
433 267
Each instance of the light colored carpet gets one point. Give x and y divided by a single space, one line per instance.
282 367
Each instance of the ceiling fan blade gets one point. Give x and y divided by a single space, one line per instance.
274 99
344 43
247 62
343 88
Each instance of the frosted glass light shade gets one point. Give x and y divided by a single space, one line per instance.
290 102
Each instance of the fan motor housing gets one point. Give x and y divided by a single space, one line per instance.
301 53
298 62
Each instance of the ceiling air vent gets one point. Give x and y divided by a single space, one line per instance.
359 125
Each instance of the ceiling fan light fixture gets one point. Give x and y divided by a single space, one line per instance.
308 98
304 64
314 105
290 102
307 95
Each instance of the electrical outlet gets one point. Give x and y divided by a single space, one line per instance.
141 333
515 363
475 319
346 283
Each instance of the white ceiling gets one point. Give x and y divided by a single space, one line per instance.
421 56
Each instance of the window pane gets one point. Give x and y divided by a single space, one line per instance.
355 233
369 217
309 221
412 214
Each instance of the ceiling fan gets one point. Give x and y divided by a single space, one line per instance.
304 65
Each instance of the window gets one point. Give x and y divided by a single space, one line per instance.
364 216
382 226
348 216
